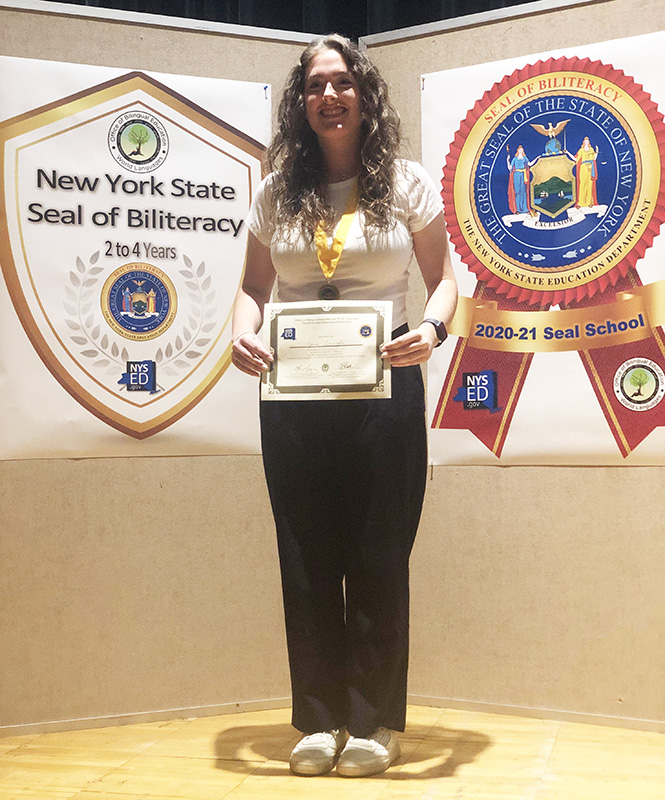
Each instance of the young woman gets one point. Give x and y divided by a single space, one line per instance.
346 478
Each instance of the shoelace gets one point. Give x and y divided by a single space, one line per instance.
380 735
320 737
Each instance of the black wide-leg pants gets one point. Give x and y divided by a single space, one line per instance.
346 481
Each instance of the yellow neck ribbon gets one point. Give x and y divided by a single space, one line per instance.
329 256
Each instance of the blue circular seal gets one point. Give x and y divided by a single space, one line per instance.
139 301
366 331
552 185
555 181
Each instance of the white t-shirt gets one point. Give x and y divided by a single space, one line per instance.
374 264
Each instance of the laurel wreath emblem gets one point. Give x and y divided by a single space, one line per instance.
201 321
105 352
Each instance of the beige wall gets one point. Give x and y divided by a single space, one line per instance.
137 585
148 587
85 40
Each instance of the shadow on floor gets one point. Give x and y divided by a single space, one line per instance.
429 753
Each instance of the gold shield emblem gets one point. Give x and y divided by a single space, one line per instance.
122 245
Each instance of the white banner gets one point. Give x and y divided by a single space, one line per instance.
552 168
124 196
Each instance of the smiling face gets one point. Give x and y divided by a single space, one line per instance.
332 99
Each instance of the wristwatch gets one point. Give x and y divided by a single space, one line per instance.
440 328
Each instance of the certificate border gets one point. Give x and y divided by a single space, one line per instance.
270 391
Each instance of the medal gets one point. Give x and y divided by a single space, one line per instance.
328 292
329 256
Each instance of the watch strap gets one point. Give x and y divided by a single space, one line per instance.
440 328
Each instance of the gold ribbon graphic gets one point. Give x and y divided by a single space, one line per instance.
630 318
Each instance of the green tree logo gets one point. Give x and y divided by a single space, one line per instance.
639 384
138 141
138 135
638 378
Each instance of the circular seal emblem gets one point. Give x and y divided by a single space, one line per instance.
138 141
639 384
553 183
138 301
366 330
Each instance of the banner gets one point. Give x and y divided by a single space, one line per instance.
553 177
122 241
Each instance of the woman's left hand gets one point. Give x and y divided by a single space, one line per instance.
431 248
413 347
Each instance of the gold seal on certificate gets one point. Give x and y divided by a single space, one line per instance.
327 350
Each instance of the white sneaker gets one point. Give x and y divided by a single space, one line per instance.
317 753
369 756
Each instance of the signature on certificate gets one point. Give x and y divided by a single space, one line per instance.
304 369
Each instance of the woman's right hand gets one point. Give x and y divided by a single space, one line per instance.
250 354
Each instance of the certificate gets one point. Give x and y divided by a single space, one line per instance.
327 350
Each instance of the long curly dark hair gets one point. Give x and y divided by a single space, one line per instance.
298 186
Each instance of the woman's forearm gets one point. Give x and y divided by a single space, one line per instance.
247 314
442 301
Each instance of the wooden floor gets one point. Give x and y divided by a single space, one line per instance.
445 754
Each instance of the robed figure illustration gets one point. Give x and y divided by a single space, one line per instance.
519 182
586 175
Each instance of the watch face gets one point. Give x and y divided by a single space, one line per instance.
440 329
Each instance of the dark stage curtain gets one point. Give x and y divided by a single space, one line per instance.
353 18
